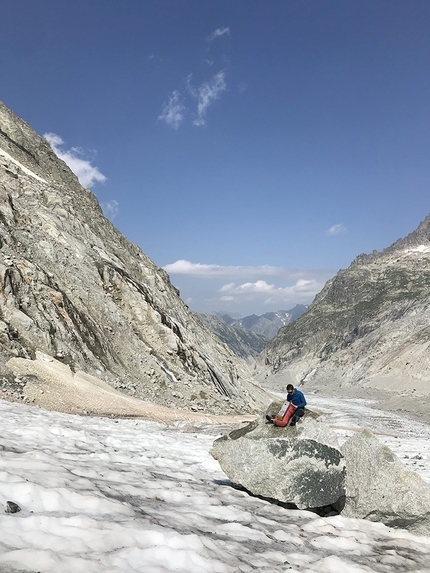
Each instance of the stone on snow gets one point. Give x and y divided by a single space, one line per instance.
380 488
300 465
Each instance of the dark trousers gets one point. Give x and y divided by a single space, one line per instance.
297 414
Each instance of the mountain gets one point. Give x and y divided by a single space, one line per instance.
367 331
244 343
248 336
266 324
74 288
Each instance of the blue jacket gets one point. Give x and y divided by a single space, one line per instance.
297 398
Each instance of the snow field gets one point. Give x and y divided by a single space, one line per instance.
125 496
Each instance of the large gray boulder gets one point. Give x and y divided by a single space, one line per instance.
301 465
380 488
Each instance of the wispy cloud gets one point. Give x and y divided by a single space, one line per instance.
206 94
177 107
110 209
246 286
218 32
248 273
303 291
242 87
87 174
173 111
199 270
338 229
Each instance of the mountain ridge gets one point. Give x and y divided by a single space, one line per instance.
73 287
266 324
367 330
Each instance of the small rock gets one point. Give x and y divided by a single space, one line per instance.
12 507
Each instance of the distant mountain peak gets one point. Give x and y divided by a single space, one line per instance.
368 326
264 326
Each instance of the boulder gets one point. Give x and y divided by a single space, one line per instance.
300 465
380 488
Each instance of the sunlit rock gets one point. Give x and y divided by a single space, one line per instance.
380 488
300 465
73 287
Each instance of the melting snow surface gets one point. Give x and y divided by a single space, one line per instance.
408 439
124 496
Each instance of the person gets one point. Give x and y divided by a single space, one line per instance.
298 400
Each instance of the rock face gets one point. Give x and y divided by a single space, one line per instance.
267 324
249 335
242 342
75 288
300 465
369 326
380 488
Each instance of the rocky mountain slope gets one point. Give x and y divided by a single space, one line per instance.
368 330
267 324
248 336
73 287
242 342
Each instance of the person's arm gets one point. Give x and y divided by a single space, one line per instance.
301 403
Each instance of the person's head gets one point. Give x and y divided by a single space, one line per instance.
290 389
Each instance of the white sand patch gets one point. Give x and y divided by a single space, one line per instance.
58 388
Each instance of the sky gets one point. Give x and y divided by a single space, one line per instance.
113 496
251 148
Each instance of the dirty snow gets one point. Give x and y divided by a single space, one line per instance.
114 496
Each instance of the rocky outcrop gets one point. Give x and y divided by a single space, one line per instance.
369 326
305 467
301 465
248 336
242 342
380 488
267 324
73 287
52 385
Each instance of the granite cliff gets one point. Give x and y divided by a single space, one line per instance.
74 288
248 336
368 329
269 323
241 341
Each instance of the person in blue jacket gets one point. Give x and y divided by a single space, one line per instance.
298 399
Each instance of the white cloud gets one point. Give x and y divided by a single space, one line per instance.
87 174
303 291
219 32
338 229
176 108
199 270
246 288
173 111
110 209
206 94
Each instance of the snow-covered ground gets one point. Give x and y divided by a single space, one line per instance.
124 496
409 440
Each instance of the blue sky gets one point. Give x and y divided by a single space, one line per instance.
250 147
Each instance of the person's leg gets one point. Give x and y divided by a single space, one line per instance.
297 414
